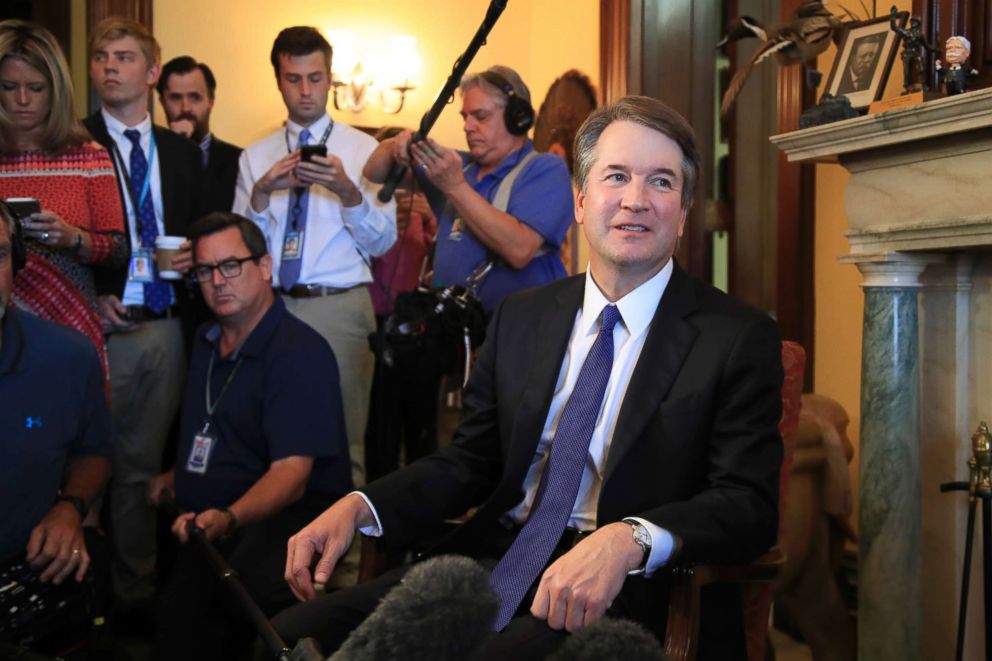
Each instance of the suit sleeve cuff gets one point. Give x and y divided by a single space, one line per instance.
662 545
370 531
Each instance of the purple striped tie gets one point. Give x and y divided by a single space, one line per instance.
531 550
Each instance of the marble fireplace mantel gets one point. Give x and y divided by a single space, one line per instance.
918 204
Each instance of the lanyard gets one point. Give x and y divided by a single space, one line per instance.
211 407
146 186
135 203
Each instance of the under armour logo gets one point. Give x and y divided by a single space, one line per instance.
32 423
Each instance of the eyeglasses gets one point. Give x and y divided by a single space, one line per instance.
229 268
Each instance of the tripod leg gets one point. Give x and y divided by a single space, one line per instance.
965 578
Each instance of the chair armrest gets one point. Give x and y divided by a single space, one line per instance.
682 631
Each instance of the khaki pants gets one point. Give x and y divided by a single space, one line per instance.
345 321
147 373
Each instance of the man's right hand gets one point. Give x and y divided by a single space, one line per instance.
329 536
113 314
160 486
183 127
279 177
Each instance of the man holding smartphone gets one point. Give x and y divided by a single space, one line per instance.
303 186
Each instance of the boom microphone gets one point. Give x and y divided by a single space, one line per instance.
610 639
446 94
443 609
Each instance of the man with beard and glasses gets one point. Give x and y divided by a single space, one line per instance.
187 90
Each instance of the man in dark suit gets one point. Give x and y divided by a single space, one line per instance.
186 90
617 423
159 175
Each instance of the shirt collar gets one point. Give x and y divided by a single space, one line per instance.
117 127
316 129
636 308
507 164
259 336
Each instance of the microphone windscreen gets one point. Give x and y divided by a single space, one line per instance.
610 639
443 609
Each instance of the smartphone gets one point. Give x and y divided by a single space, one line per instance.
307 152
23 206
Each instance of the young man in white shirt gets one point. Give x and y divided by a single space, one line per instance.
320 217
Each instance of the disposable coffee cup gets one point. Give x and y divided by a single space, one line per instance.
166 248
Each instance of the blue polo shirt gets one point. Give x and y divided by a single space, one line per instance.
283 400
52 409
541 198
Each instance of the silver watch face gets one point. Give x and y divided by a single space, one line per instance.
642 536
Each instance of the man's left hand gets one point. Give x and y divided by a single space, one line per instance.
213 522
328 171
442 166
57 544
182 261
578 587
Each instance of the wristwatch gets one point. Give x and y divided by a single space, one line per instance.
76 502
643 539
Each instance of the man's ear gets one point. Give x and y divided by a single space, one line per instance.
265 263
580 206
154 71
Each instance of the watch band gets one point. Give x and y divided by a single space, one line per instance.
232 522
76 502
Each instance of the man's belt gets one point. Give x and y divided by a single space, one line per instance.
142 313
316 291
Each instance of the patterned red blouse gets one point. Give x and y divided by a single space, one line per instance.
78 184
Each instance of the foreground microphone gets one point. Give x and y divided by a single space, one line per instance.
610 639
442 609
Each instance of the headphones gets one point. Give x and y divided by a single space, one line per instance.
18 253
518 115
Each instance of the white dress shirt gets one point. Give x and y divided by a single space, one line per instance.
338 240
134 292
637 310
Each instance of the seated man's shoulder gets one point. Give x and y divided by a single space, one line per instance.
54 342
182 144
719 312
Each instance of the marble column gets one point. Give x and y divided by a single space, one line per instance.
889 578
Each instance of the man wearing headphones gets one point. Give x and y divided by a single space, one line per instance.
501 203
54 447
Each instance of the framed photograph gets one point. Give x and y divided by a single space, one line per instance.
864 60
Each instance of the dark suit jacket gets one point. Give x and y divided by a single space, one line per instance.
696 448
221 176
181 168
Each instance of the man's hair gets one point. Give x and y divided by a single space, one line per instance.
113 28
182 65
478 80
957 37
648 112
37 47
300 40
219 221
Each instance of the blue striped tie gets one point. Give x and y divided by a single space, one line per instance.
157 293
299 201
531 550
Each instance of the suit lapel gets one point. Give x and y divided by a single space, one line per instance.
668 342
166 172
551 337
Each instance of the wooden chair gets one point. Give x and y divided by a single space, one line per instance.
681 638
682 633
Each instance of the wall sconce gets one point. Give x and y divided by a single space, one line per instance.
380 73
